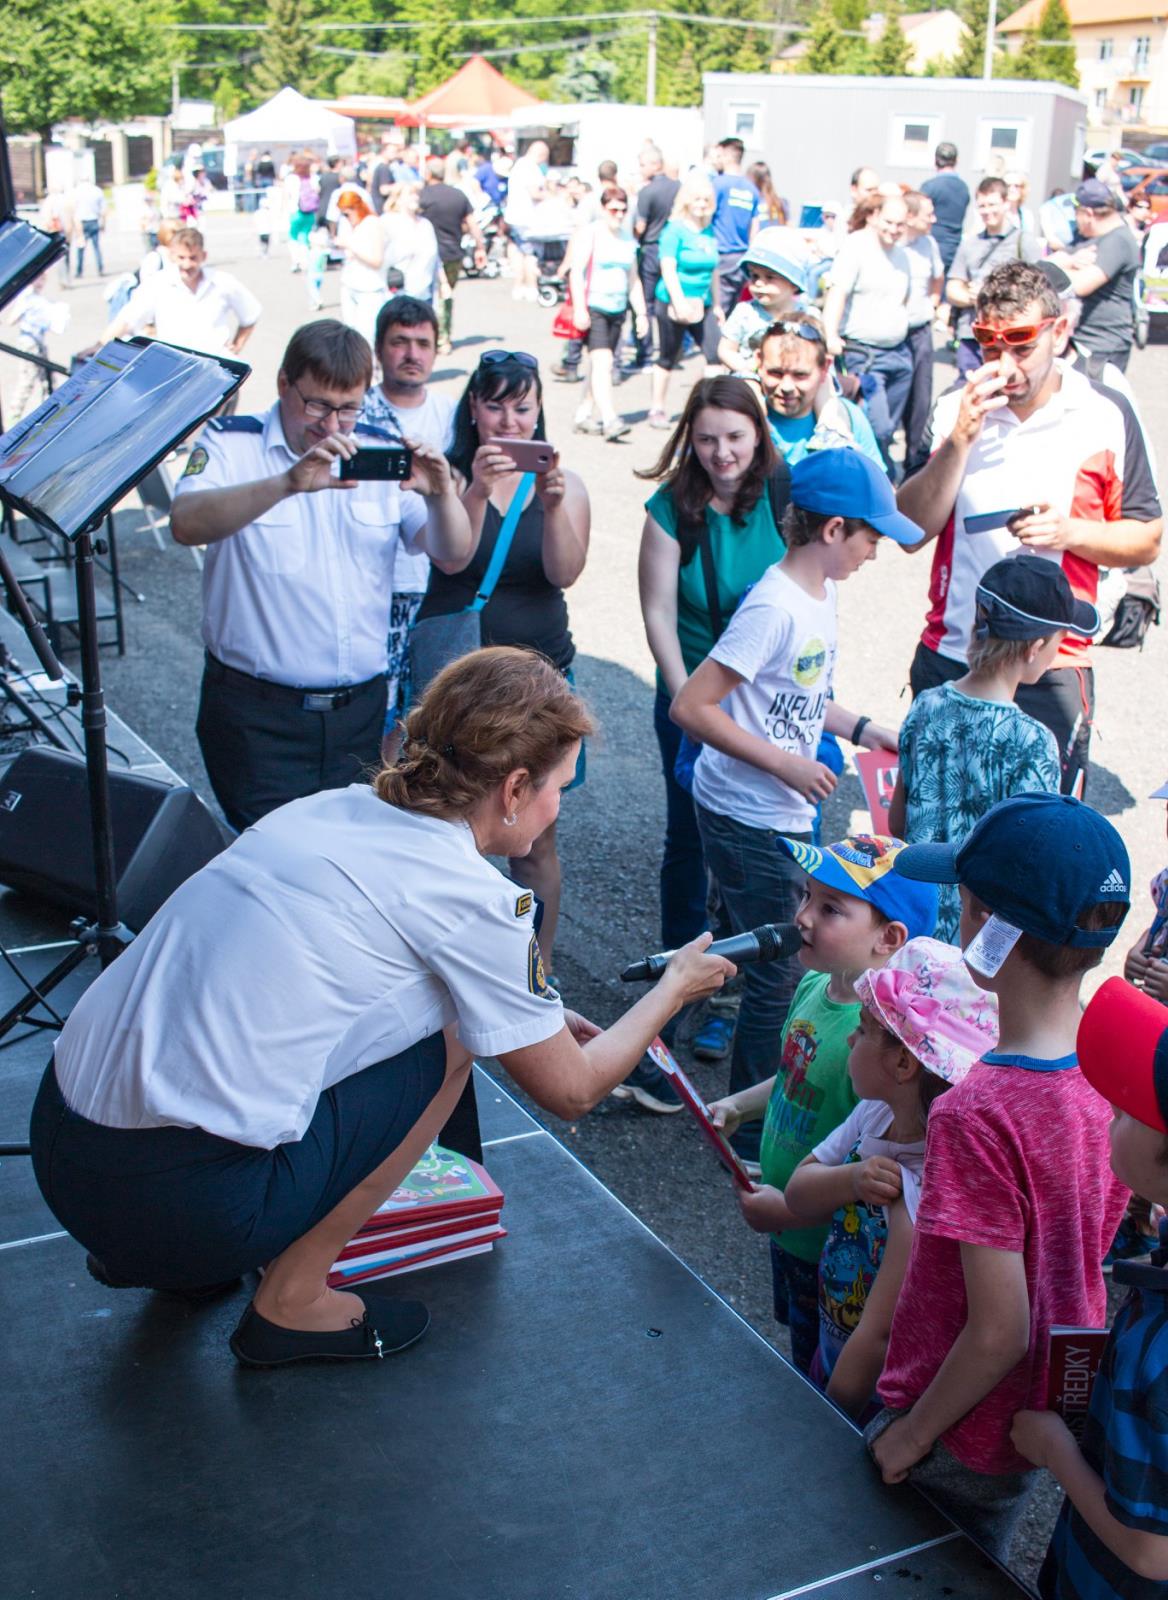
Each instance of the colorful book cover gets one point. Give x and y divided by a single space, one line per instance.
878 770
443 1183
659 1052
1076 1355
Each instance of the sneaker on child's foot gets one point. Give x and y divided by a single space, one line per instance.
650 1088
713 1040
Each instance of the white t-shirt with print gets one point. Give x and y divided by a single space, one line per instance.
865 1126
782 642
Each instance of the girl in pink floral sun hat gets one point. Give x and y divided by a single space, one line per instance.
923 1024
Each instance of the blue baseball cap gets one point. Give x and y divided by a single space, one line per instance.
861 866
779 250
845 483
1038 861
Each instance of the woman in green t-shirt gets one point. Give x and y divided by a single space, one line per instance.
686 297
715 473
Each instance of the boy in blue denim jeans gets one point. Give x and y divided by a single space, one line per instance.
758 704
855 913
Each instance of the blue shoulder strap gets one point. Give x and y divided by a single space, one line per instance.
503 542
236 425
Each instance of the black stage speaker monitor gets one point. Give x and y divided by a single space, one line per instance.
162 834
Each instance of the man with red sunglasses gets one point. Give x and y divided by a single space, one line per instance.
1029 454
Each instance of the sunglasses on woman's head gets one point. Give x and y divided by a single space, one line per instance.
496 358
1014 337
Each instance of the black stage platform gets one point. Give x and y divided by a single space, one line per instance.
586 1420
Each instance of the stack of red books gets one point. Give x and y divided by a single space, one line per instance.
447 1208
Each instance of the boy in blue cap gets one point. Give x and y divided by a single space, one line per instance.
758 704
1111 1538
854 915
1017 1204
777 275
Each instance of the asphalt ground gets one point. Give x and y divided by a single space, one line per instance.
611 829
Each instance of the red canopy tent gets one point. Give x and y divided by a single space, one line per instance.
477 93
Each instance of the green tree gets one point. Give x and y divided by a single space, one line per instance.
1045 53
288 51
388 74
827 49
892 53
968 61
590 77
106 59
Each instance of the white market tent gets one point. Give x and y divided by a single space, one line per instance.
289 121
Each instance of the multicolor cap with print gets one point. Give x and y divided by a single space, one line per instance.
862 867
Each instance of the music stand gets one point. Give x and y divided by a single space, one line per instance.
65 466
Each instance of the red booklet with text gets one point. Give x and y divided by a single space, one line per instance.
878 770
1075 1358
696 1106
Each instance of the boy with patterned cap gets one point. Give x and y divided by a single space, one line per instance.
923 1024
855 913
1111 1538
1017 1205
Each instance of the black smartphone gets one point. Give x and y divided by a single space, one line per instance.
985 521
384 463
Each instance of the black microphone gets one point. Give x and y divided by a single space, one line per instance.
774 941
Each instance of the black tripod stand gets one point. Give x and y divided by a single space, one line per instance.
105 936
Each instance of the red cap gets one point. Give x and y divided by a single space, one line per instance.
1123 1051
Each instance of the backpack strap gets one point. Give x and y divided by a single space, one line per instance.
779 490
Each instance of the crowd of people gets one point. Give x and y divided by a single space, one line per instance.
918 1095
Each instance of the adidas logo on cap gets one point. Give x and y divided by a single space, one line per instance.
1113 883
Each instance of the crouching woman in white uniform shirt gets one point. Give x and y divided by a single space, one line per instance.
262 1067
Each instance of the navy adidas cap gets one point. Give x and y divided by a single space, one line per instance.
845 483
1038 861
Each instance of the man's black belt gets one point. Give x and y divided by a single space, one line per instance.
304 699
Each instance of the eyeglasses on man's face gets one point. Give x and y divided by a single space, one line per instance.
321 410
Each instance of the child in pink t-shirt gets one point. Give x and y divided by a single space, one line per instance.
1018 1204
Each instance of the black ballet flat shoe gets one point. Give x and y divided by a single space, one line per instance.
387 1327
100 1273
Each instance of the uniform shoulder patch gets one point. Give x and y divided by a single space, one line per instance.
236 425
196 462
536 977
523 904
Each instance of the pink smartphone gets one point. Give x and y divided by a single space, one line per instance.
529 455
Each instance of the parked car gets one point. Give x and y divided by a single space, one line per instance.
1120 159
1157 154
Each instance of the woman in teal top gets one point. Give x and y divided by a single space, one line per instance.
604 285
718 471
687 292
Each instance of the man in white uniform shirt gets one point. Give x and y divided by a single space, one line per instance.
298 578
406 342
186 303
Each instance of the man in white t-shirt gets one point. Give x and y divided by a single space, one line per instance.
759 703
526 187
406 342
189 304
865 316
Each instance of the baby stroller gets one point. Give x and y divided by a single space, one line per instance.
1151 287
551 285
488 218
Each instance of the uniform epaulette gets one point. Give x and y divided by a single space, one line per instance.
236 425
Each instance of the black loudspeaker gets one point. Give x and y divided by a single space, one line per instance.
162 834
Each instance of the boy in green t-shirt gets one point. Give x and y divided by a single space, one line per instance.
855 913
